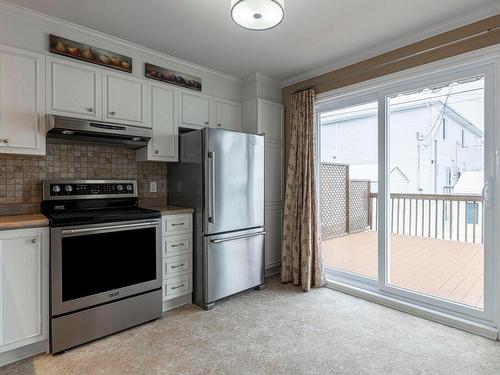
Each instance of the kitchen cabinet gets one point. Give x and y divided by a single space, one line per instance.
24 279
264 117
273 173
164 121
270 120
273 221
227 114
73 89
177 250
125 99
195 110
22 106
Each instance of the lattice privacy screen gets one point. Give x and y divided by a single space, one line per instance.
344 202
334 195
358 205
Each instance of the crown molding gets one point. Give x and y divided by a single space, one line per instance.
60 24
375 51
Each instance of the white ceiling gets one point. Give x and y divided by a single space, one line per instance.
315 33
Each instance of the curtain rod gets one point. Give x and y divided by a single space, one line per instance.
415 54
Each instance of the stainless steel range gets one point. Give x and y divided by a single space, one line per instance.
105 260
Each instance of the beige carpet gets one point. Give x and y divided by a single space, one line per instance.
279 330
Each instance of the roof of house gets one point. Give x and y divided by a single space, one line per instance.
371 112
470 182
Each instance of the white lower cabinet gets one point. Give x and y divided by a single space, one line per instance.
177 250
24 279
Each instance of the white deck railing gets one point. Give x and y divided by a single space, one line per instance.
440 216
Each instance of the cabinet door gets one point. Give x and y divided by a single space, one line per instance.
125 100
195 110
270 120
227 114
21 102
274 173
23 287
165 123
74 89
273 215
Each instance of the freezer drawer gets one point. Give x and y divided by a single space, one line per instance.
233 262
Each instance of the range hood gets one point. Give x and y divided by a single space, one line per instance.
71 130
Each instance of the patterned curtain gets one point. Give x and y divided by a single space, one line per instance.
301 253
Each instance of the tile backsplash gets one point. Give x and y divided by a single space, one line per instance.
21 175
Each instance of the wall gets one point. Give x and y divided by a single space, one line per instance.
21 176
29 30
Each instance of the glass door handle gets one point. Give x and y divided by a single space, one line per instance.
485 192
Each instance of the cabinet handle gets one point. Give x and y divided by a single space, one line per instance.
177 245
156 151
219 125
5 140
177 266
34 240
177 287
112 113
175 224
206 122
90 110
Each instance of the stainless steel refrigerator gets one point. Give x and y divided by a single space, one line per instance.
220 174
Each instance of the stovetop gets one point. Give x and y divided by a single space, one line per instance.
101 215
78 202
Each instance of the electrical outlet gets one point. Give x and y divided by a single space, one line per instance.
152 187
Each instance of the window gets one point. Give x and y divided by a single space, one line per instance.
445 129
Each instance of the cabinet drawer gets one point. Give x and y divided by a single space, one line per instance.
176 224
177 286
176 245
177 265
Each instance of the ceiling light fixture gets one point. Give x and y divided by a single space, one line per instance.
258 14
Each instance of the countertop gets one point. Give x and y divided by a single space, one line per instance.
23 221
169 210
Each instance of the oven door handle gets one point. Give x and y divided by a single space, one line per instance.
108 228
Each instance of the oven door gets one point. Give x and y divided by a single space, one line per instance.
95 264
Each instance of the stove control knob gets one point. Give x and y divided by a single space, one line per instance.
119 187
56 188
129 187
68 188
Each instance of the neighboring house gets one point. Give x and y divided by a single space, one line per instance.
399 180
430 146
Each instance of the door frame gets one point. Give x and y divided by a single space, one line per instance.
487 62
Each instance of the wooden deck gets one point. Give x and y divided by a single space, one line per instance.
447 269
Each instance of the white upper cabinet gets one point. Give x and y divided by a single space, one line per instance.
227 114
270 120
125 100
73 89
273 173
21 102
195 110
164 120
24 279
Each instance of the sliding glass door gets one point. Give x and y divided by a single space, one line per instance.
406 180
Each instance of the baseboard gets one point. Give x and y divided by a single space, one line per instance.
177 302
272 269
23 352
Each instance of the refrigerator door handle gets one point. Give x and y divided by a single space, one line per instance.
211 204
219 240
